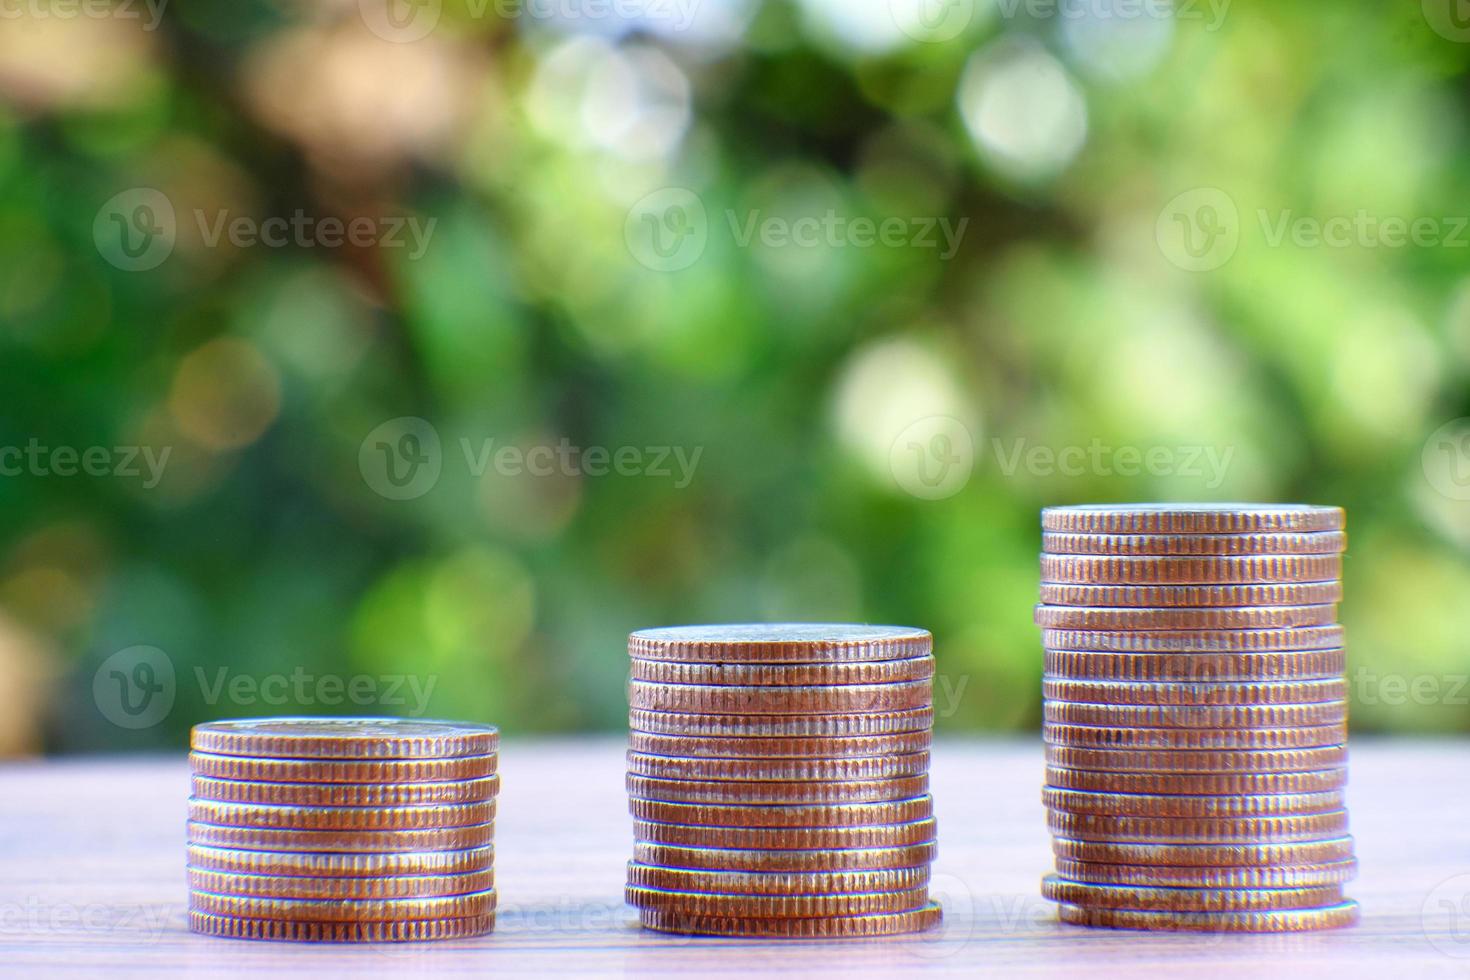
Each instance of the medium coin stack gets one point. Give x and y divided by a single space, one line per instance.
1195 717
342 829
778 780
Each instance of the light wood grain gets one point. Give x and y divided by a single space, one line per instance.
93 857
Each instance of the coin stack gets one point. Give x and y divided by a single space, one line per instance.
1196 717
778 780
348 829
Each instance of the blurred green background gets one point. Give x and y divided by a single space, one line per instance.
855 286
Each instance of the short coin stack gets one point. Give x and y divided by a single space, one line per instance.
1196 717
778 780
349 829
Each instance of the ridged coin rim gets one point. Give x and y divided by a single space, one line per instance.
832 927
1162 518
1290 920
355 739
416 930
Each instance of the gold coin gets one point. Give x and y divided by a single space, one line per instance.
347 794
747 699
1192 596
1286 920
376 771
1253 693
791 770
307 886
329 865
1193 738
1183 830
1195 668
344 738
1163 805
696 746
1201 641
358 910
785 838
1177 899
750 859
1206 760
1228 716
778 643
413 930
783 675
350 841
1192 518
1272 543
1122 618
731 792
1327 851
865 724
1291 876
1198 783
1189 570
776 882
340 817
776 906
845 926
832 815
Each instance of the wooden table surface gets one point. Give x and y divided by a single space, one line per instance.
93 858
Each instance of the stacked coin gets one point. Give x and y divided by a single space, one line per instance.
1195 717
778 780
348 829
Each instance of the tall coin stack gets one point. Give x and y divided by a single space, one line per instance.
1196 717
778 780
350 829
